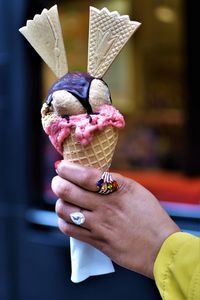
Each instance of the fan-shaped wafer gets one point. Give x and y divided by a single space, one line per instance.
45 35
108 33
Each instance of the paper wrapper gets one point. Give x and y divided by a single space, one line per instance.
87 261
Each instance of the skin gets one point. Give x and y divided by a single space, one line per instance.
128 225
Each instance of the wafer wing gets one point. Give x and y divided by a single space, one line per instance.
45 35
108 33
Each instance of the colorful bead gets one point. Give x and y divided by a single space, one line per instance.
99 183
110 186
106 184
115 185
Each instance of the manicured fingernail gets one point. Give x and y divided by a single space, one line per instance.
56 164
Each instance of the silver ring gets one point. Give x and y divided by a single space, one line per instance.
77 218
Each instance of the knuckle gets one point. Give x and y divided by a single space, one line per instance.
54 184
57 185
110 212
66 191
60 187
125 184
85 176
59 208
63 226
88 176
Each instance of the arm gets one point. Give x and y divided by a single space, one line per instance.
177 267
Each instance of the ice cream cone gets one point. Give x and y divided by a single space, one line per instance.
98 153
78 115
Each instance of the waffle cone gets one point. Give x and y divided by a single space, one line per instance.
98 153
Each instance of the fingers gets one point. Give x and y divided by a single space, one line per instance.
74 231
73 194
75 184
63 210
84 177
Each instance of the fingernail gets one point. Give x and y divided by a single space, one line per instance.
56 164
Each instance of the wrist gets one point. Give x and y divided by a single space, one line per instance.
162 237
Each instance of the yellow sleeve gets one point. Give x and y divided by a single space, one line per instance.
177 267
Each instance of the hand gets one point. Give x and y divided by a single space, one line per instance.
128 225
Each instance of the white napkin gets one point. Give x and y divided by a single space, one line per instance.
87 261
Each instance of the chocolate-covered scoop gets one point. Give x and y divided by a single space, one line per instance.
77 93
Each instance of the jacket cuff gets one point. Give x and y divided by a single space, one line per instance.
175 263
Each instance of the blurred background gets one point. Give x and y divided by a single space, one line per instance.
154 84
